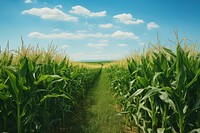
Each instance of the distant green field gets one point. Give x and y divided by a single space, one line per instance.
97 62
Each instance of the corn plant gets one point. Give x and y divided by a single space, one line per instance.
39 93
163 93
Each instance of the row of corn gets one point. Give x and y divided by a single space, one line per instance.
39 90
159 92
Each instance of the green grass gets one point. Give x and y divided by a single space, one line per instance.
102 115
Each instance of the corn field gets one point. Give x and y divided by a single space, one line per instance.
40 90
159 92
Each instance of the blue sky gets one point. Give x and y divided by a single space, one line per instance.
97 29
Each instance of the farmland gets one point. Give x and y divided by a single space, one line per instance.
40 90
157 91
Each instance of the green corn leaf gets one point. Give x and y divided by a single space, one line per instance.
42 78
168 89
13 81
195 131
181 75
51 78
25 88
197 105
153 91
134 72
54 96
23 112
3 96
2 86
23 67
131 83
155 77
55 81
164 96
138 92
160 130
169 52
143 81
185 109
41 90
194 79
30 65
146 109
62 64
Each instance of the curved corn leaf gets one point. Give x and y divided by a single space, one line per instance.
195 131
164 96
138 92
3 96
54 96
153 91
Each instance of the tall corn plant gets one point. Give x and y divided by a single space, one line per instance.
38 93
164 91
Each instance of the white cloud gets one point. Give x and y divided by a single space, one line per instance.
104 41
28 1
89 25
97 45
127 19
103 38
51 36
81 31
124 35
97 35
67 35
50 14
57 30
106 26
122 45
85 12
152 25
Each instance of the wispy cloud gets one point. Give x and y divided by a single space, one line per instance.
106 26
57 30
127 19
122 45
28 1
103 38
67 35
50 14
97 45
152 25
85 12
81 31
124 35
104 41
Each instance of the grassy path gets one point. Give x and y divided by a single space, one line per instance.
101 114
